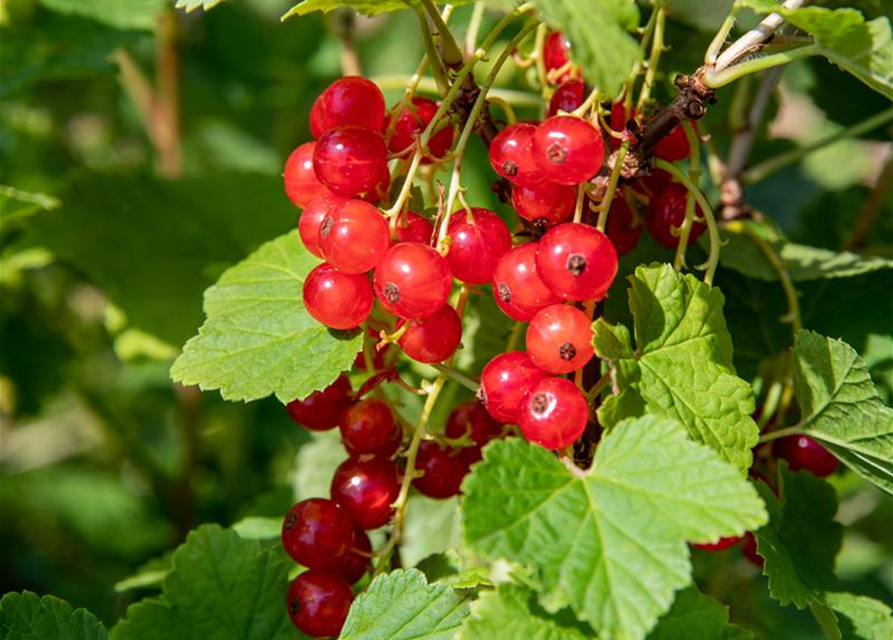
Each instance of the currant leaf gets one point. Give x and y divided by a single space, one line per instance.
432 526
192 5
860 617
134 14
369 7
26 615
695 616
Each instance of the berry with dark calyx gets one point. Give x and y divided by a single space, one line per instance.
576 261
472 419
350 160
517 287
505 382
337 300
411 123
432 339
557 53
554 413
318 602
802 452
719 545
367 489
559 339
569 96
354 236
666 211
368 427
749 550
568 150
301 184
545 204
348 101
476 244
358 560
311 221
673 146
317 533
412 280
622 229
444 469
411 227
511 154
321 410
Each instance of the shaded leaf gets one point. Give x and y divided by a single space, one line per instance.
25 616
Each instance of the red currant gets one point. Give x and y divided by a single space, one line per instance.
511 154
337 300
311 220
622 229
434 338
317 533
350 160
317 127
348 101
749 550
666 211
301 184
380 191
545 204
619 120
354 236
318 603
505 382
413 280
673 146
719 545
321 410
557 53
476 244
559 339
569 96
802 452
414 228
368 427
358 561
367 489
517 288
568 150
554 413
472 419
411 123
576 261
444 469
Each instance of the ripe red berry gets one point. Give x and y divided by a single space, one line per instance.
472 419
434 338
348 101
517 287
749 550
476 245
576 261
317 533
568 150
410 124
622 229
802 452
301 184
559 339
367 489
368 427
318 602
321 410
354 236
569 96
554 413
505 382
350 160
412 280
337 300
444 470
666 211
358 560
619 121
673 146
557 53
545 204
311 221
414 228
719 545
511 154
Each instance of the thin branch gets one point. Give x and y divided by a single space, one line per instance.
872 207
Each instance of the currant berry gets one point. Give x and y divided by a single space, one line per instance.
354 236
568 150
444 469
545 204
476 244
380 191
318 602
301 184
350 160
472 419
337 300
569 96
348 101
802 452
559 339
511 154
623 230
554 413
576 261
311 221
321 410
673 146
749 550
517 288
317 127
666 212
358 560
367 489
557 54
368 427
619 121
719 545
317 533
412 280
412 122
432 339
414 228
505 382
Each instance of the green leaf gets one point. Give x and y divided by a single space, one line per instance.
221 587
25 616
258 528
432 526
150 575
258 339
401 605
610 542
316 462
841 408
860 617
133 14
682 366
192 5
368 7
695 616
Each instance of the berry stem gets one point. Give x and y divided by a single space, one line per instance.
781 433
394 212
694 172
474 27
657 48
541 32
461 378
451 51
604 206
438 69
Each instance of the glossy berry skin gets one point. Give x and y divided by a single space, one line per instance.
576 261
749 550
350 160
666 211
511 154
301 184
318 533
321 410
311 221
337 300
411 123
622 229
358 560
444 469
318 602
368 427
414 228
802 452
367 489
472 419
673 146
412 280
517 287
354 236
348 101
568 150
432 339
559 339
545 204
719 545
554 413
557 53
476 245
569 96
505 382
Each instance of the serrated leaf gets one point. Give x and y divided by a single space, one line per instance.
611 542
860 617
401 605
192 5
25 616
682 366
258 339
132 14
695 616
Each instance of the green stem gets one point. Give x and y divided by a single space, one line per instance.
719 40
781 433
717 79
598 387
474 27
605 207
438 69
657 48
685 231
452 52
457 376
